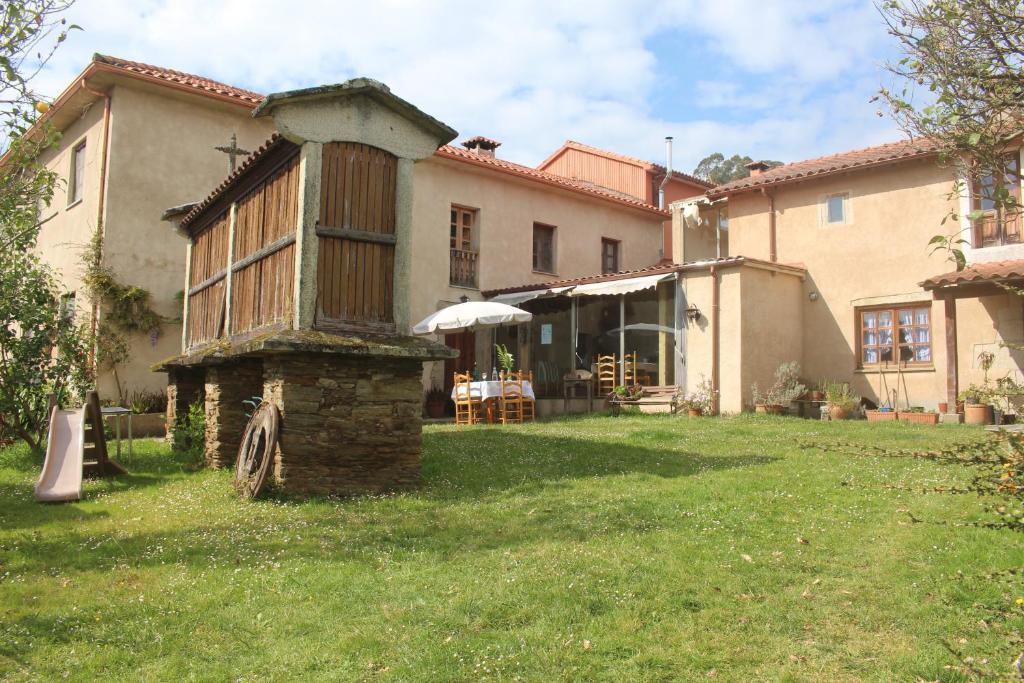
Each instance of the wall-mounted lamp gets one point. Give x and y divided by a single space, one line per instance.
693 313
813 296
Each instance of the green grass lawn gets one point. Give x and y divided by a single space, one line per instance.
636 548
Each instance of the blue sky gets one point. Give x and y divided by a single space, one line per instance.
776 79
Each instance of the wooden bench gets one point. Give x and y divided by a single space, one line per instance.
662 395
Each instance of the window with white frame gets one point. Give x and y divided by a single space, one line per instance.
835 209
76 183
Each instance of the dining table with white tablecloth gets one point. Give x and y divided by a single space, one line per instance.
489 393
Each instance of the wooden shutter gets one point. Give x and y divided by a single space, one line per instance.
356 262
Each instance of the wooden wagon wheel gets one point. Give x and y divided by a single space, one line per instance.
256 452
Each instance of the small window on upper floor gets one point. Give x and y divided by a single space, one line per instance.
76 181
543 248
836 209
609 256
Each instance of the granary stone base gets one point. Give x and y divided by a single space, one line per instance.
184 387
227 386
348 424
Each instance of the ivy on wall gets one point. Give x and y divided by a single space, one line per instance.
126 309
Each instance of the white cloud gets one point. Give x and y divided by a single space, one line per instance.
780 79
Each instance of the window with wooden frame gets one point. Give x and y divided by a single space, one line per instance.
463 265
609 256
997 225
543 248
76 183
891 334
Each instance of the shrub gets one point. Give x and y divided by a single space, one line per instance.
190 432
786 388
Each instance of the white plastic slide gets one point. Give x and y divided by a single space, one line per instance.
61 478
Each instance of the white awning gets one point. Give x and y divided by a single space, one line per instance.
633 284
516 298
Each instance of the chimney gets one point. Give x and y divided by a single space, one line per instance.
481 146
757 167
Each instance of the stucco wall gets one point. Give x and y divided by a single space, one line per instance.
66 230
161 155
878 256
773 326
506 211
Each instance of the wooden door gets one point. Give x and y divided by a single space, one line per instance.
465 344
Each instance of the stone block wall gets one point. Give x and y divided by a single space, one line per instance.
184 387
227 386
348 425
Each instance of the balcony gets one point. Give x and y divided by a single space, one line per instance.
462 269
991 232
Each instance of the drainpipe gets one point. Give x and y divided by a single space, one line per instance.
94 314
715 380
772 252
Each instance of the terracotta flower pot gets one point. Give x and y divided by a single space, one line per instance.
838 413
694 412
880 415
943 407
769 409
919 418
435 409
977 414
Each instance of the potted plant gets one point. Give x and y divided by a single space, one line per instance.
840 400
701 401
976 408
786 389
917 415
435 401
505 359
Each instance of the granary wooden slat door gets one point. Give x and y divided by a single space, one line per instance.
356 233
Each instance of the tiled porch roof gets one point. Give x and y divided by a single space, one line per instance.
977 273
660 269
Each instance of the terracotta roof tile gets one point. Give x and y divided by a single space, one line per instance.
993 271
836 163
181 78
449 152
658 269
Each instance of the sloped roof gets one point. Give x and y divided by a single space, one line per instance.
977 273
274 142
835 163
199 84
646 165
465 155
659 269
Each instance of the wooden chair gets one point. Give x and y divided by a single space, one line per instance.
607 374
529 404
468 401
512 404
629 375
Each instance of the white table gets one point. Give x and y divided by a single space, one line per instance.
492 389
489 392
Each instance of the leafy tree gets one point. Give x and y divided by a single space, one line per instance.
715 168
41 350
960 84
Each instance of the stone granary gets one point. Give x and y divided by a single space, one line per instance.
297 291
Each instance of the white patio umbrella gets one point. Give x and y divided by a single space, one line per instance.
471 315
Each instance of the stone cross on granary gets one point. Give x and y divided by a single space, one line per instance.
233 151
